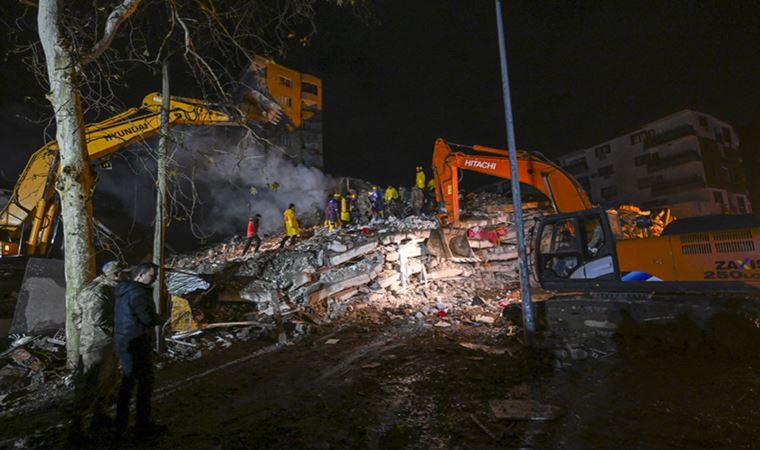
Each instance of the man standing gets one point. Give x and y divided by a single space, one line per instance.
376 199
96 372
347 207
134 320
332 212
292 230
419 179
252 233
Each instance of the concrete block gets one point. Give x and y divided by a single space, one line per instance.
445 273
337 259
338 286
259 292
337 247
41 306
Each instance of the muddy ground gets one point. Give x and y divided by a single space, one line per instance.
404 385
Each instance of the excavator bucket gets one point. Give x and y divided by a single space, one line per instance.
447 243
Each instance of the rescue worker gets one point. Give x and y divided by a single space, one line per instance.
292 229
332 212
429 202
134 319
419 180
391 199
252 233
97 371
376 199
347 206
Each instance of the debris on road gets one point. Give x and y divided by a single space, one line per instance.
523 410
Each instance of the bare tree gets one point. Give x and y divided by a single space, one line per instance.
87 51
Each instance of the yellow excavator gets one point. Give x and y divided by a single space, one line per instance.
29 221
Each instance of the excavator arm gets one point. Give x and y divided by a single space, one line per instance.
32 202
564 192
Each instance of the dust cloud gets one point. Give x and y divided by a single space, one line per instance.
220 178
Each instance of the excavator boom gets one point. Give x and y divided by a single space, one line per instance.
32 197
565 194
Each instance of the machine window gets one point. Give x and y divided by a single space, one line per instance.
593 237
560 238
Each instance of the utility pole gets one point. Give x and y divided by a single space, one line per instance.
159 231
527 302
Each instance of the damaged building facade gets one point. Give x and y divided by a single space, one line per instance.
300 97
688 161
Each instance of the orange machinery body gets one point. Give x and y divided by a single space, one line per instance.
678 262
564 192
726 255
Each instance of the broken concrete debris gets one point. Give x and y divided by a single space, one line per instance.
523 410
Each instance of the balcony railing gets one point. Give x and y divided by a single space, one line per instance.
678 185
673 160
669 135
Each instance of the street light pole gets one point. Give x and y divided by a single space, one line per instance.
527 303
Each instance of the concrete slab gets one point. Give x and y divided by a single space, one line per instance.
41 306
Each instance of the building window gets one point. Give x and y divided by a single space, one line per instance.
606 171
742 205
583 181
637 138
718 196
287 82
577 165
647 182
641 160
602 151
609 192
286 101
703 121
309 88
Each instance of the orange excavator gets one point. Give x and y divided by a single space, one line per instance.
581 247
29 221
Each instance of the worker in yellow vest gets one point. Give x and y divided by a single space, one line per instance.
419 181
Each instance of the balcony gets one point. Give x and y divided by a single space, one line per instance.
674 160
578 167
670 135
678 185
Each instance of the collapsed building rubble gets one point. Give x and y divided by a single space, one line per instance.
369 274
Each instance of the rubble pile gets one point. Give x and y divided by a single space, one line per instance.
640 223
367 273
32 365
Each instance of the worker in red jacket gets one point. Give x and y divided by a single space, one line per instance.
252 233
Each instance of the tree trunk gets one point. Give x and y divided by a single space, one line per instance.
74 183
159 233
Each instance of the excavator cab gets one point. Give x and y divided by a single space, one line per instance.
577 249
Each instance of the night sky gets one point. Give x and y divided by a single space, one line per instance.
581 73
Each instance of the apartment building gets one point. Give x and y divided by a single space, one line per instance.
688 161
300 97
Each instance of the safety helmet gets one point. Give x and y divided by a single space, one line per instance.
336 195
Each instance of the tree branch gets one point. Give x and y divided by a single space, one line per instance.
114 21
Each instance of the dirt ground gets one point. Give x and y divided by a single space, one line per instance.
409 386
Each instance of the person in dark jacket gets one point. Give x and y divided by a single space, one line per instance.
134 319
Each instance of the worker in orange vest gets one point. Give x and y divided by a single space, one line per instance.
252 233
